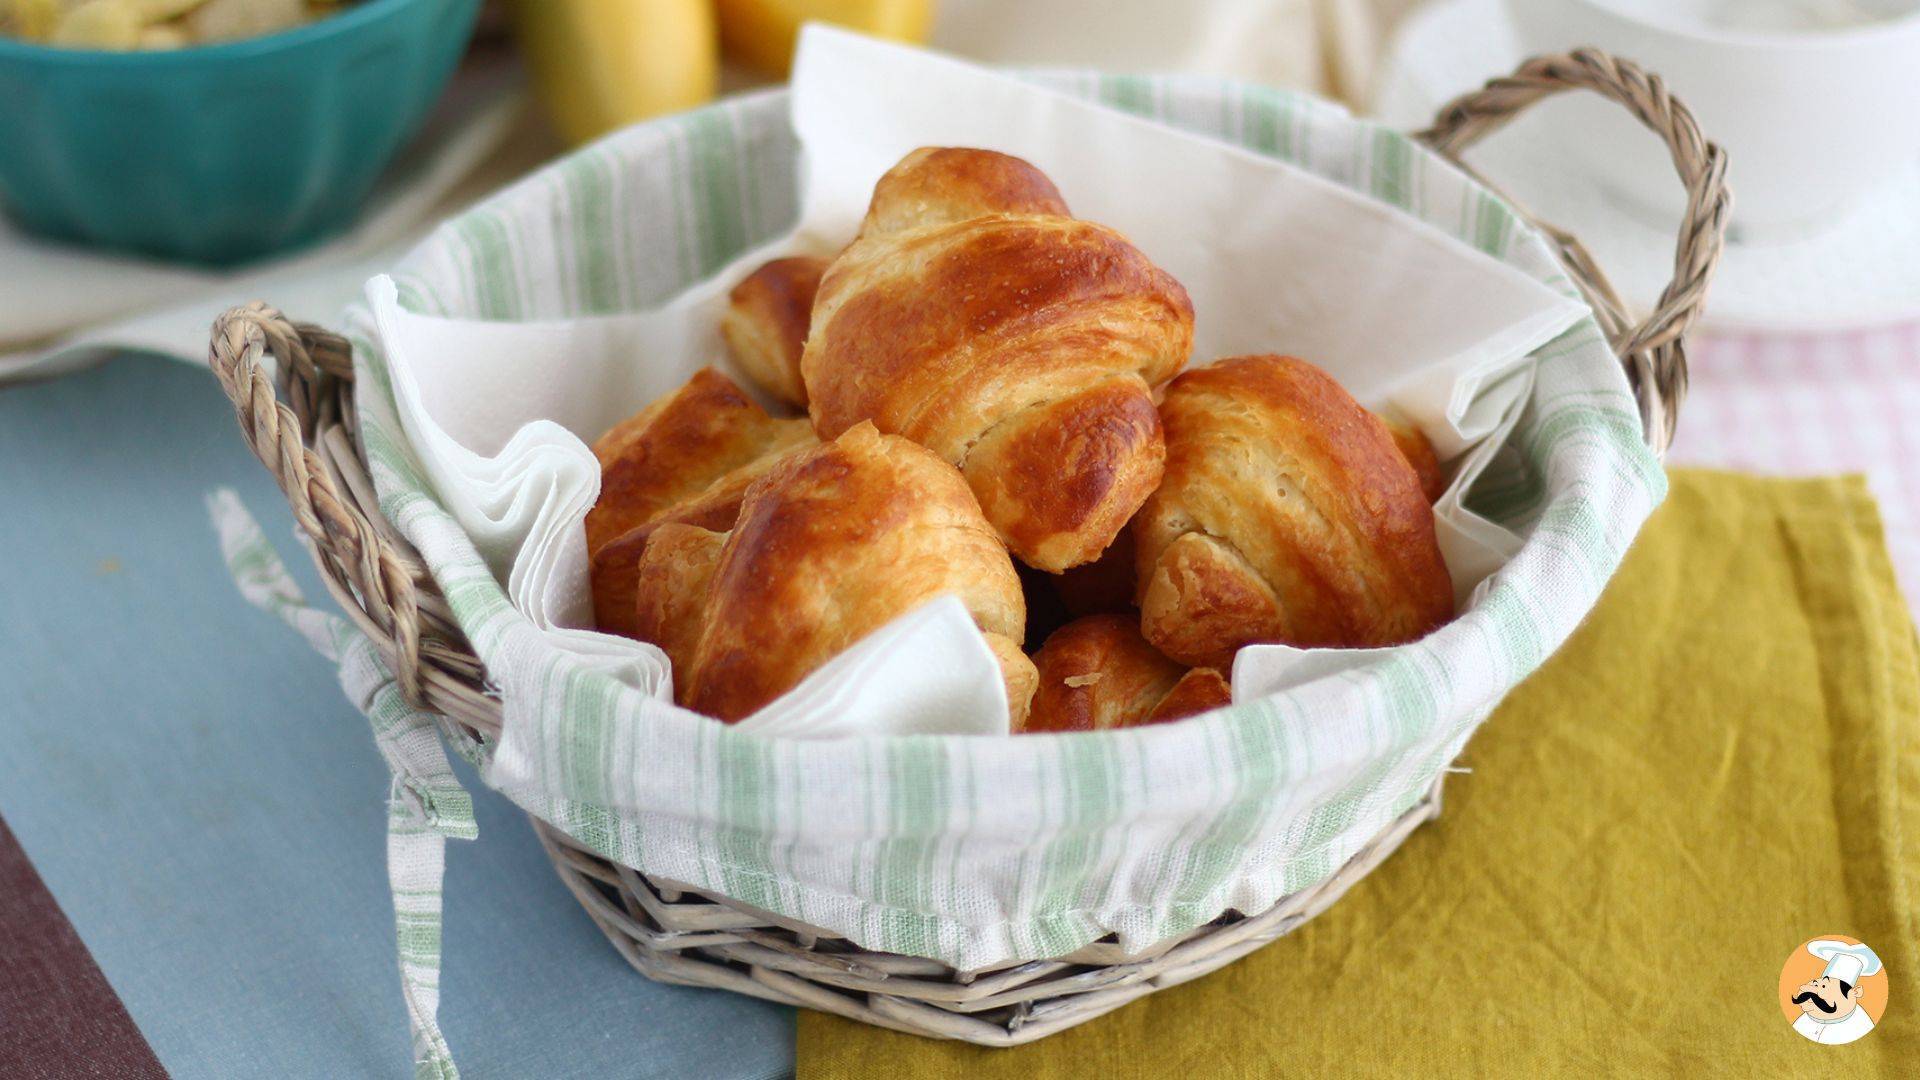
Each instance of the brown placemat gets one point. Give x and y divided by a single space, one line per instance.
59 1017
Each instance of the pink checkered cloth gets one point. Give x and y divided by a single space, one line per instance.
1845 402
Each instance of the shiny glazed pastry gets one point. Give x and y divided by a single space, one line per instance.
765 324
831 544
939 185
687 457
1288 514
1098 673
973 316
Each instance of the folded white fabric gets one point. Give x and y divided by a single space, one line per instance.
1275 258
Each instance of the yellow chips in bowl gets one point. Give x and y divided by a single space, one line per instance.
153 24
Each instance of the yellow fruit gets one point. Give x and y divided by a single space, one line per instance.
761 33
100 24
234 20
32 20
164 36
154 11
603 64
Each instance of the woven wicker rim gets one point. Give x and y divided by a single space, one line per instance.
300 422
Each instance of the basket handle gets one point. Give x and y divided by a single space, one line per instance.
1653 350
281 421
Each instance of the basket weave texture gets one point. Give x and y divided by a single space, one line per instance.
300 420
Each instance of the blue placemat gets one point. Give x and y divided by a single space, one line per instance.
210 813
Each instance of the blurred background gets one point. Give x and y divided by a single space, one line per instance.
161 160
165 158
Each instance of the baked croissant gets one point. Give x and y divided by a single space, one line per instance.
1201 689
687 457
939 185
831 544
1288 515
671 576
765 324
768 312
973 316
1098 672
1419 454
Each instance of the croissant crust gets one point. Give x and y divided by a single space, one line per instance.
1097 673
687 457
830 545
1287 514
937 184
1022 347
765 324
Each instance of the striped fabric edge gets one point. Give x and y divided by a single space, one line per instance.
976 852
425 805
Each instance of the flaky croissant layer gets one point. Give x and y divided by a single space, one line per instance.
831 544
1018 343
1288 514
686 458
1098 673
766 320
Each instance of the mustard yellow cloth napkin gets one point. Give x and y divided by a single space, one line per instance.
1722 764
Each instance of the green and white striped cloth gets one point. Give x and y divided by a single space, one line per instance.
426 804
981 850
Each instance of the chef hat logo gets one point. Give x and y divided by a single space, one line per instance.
1845 962
1833 990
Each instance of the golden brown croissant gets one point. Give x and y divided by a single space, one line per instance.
768 312
831 544
938 185
687 457
614 568
1201 689
670 591
1098 672
765 324
1287 515
1419 454
1021 345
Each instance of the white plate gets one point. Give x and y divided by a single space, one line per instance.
1860 272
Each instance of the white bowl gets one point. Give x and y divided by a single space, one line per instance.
1817 102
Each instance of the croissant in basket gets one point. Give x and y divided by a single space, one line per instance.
1107 584
1097 673
765 324
831 544
687 457
975 317
1419 453
1288 514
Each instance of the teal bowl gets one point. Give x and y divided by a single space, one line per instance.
221 153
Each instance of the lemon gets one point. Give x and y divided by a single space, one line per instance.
761 33
602 64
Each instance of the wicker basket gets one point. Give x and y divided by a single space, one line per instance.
302 425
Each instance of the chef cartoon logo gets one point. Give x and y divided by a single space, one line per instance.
1833 989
